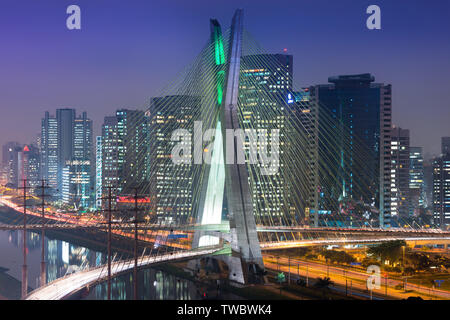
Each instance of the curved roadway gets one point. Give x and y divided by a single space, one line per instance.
68 285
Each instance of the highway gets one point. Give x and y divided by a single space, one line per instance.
276 245
343 276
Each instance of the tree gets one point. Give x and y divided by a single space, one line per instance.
391 250
323 283
338 256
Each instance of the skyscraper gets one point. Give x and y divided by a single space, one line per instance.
29 165
400 202
98 172
65 119
76 183
174 186
303 170
445 145
66 141
49 151
264 83
112 155
441 191
82 138
132 126
10 161
125 153
416 180
77 173
354 144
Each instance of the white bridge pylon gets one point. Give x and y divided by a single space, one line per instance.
229 180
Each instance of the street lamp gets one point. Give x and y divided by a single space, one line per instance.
403 260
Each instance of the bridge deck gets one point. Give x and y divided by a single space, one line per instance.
317 242
68 285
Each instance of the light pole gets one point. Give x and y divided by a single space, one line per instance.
385 284
306 273
350 287
403 260
328 269
345 276
289 270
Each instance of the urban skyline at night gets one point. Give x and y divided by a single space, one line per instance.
124 76
232 151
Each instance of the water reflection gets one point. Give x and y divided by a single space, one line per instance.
63 257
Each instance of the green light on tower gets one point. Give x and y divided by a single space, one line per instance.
219 55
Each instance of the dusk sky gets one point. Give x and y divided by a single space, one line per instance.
127 51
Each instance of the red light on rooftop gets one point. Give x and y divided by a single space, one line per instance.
285 50
26 149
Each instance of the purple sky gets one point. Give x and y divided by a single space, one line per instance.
127 51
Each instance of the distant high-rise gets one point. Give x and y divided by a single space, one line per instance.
132 126
125 153
29 165
400 177
354 144
416 180
98 172
65 119
49 151
112 154
66 147
21 162
428 183
77 178
82 138
173 185
10 161
303 116
441 191
264 83
76 183
445 145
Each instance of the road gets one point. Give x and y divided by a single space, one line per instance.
354 278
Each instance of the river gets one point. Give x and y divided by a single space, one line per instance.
64 256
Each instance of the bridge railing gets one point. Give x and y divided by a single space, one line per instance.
125 265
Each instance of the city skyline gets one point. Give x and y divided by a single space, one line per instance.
287 159
101 77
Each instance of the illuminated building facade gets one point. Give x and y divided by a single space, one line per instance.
49 151
10 162
29 165
172 184
125 153
304 171
416 180
264 82
66 121
98 172
445 145
77 174
400 174
76 185
64 139
112 156
441 191
357 156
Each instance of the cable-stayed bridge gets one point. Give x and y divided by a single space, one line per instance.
212 178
